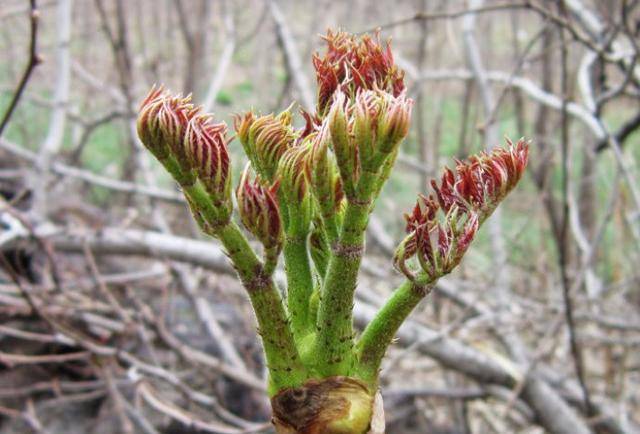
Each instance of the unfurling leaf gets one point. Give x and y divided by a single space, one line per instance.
441 227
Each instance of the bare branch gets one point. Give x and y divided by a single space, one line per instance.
34 60
225 58
55 135
291 55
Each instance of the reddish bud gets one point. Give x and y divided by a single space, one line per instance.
242 125
442 226
162 123
404 252
259 211
312 123
147 124
484 180
205 143
294 184
353 63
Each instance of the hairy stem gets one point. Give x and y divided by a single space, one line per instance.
283 360
379 333
319 249
271 256
299 284
335 317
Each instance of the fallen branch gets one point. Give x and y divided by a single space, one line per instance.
447 351
291 55
95 179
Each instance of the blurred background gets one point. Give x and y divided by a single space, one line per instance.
118 316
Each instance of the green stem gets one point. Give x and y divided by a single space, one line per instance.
202 202
331 225
335 316
183 176
379 333
271 256
283 360
319 249
299 284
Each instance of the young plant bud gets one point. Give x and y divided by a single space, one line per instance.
380 122
265 139
404 252
147 124
162 124
163 120
393 125
272 136
205 143
366 133
442 226
323 175
242 125
353 63
294 184
259 211
483 181
366 112
312 123
344 148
